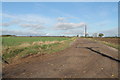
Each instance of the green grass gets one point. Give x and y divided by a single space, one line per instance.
14 41
13 52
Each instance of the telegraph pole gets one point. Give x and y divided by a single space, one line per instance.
85 30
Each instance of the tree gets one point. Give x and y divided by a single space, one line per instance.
101 34
77 35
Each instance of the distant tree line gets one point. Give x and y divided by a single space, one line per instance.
8 35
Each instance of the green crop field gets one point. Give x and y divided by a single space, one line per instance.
13 41
19 47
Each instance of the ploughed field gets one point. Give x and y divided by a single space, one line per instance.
110 40
14 48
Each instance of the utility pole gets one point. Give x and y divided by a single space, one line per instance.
85 30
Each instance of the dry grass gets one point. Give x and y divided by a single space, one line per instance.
12 53
46 42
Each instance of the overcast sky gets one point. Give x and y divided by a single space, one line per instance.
59 18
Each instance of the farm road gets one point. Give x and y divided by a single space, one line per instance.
84 59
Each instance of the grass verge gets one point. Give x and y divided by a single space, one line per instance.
116 46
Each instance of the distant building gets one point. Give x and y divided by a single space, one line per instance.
95 35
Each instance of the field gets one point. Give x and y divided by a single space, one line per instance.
83 59
19 47
113 42
14 41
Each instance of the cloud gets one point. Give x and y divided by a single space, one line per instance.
102 24
26 20
67 26
4 15
74 32
61 19
19 32
48 34
32 26
7 24
110 32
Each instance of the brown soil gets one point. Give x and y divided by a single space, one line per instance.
110 40
84 59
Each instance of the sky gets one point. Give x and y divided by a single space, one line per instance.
59 18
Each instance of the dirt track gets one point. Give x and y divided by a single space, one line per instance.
77 61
